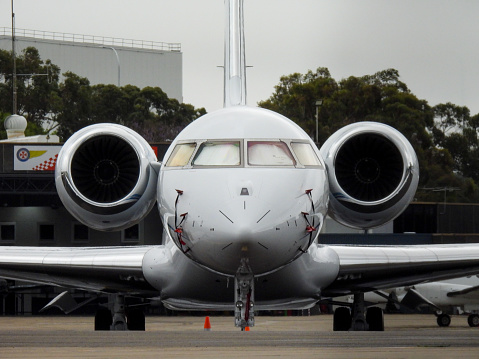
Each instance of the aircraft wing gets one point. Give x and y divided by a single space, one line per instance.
99 269
414 299
122 269
364 268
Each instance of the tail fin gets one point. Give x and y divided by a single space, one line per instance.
234 67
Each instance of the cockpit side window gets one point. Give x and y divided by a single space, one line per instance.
181 155
305 154
218 153
269 153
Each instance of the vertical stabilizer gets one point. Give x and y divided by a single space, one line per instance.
235 67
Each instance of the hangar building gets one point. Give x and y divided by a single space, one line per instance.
139 63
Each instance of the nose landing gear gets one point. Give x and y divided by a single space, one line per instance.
244 296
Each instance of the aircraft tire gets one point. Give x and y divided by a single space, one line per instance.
136 320
103 319
443 320
375 319
473 320
341 319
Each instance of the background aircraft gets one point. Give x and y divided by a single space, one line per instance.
442 297
242 193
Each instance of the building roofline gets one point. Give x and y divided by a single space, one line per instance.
91 39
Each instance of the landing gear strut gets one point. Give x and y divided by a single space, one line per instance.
356 320
119 319
119 316
244 296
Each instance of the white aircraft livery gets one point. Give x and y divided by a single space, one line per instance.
242 193
440 297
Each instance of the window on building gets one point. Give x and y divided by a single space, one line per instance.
81 233
131 234
7 232
46 232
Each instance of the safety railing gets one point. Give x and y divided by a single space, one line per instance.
92 39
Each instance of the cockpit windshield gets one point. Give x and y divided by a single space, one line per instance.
269 153
181 155
305 154
257 153
218 154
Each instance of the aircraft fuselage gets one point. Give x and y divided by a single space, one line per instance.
229 196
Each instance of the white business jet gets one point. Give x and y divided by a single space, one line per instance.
443 298
242 193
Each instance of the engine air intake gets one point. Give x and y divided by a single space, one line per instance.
105 169
369 167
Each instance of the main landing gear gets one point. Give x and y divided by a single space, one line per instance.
444 320
119 318
358 319
473 320
244 296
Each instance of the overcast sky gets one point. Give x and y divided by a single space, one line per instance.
433 43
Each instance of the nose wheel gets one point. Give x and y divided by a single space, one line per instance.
244 296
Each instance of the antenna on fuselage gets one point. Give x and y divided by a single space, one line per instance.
234 67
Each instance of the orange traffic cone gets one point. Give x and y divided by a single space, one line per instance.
207 324
246 329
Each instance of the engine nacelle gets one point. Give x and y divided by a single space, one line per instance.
373 174
106 176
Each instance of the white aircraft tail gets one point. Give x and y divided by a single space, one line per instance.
234 66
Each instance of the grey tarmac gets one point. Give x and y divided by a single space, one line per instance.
406 336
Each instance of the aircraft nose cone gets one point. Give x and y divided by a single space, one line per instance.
246 239
244 233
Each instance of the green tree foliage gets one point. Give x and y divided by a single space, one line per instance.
37 85
295 97
444 136
148 111
74 105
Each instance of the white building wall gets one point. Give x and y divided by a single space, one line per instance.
140 67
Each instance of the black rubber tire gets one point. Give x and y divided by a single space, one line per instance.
473 320
375 319
443 320
136 320
341 319
103 319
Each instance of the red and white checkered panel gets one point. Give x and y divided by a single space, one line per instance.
48 165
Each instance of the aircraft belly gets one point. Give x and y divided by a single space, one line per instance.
185 285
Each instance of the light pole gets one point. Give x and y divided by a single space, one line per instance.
318 105
14 73
117 60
